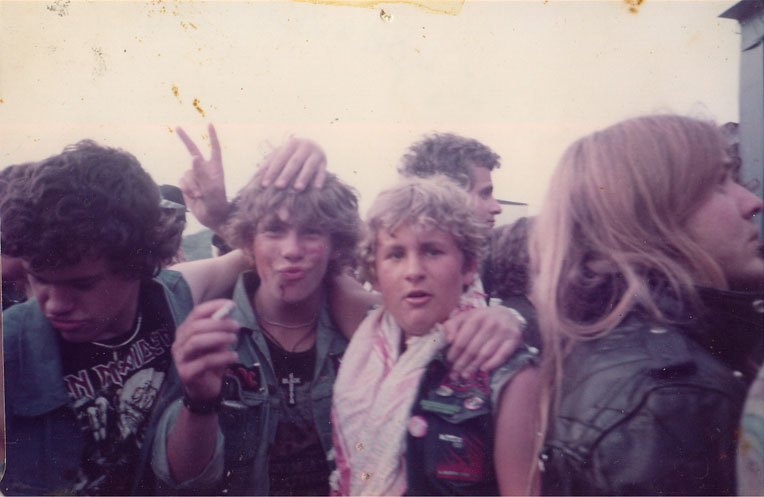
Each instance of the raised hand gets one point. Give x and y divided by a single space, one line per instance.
203 186
201 350
298 159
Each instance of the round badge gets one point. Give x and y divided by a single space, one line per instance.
417 426
444 391
474 403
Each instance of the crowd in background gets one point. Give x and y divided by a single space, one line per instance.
610 345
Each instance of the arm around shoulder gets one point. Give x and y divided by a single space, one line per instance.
213 278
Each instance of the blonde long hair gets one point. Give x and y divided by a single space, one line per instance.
611 235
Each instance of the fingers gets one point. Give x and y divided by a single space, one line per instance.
299 159
215 143
481 339
202 349
221 332
275 162
188 142
497 356
292 167
189 187
315 168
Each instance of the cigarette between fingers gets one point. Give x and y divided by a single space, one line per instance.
223 311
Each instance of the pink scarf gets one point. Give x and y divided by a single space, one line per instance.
375 389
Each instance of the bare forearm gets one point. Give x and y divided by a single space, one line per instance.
191 444
212 278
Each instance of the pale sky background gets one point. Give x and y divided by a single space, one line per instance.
525 78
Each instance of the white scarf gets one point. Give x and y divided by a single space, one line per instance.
373 394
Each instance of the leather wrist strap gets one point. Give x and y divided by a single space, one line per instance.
210 406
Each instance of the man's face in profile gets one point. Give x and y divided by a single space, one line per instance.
481 194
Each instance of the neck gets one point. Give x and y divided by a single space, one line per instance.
287 313
125 320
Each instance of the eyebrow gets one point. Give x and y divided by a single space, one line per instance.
70 281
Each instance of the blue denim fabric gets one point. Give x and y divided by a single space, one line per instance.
43 440
249 419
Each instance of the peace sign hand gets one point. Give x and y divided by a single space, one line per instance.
203 185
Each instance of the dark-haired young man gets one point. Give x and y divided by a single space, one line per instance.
88 355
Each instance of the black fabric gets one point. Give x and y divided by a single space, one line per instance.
449 445
297 463
113 391
653 408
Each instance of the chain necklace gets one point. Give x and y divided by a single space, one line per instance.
287 326
118 345
273 339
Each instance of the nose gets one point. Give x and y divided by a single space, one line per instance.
750 203
55 300
414 269
291 247
495 207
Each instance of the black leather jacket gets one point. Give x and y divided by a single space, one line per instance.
654 409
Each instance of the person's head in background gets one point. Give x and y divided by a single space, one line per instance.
14 276
89 228
421 250
174 206
466 161
294 239
643 208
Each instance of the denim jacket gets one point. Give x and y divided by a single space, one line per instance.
44 442
250 411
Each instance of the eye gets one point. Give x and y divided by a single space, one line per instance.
273 228
433 252
394 255
312 232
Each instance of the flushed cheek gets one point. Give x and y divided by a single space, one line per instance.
317 252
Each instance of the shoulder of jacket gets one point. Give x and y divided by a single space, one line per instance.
16 319
638 347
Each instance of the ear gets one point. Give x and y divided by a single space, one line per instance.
469 272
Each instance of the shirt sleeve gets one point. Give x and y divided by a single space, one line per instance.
212 473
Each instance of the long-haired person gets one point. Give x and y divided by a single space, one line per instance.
648 271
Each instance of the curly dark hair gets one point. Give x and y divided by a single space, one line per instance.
11 175
332 209
88 201
449 154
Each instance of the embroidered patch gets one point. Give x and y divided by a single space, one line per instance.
463 458
439 407
245 378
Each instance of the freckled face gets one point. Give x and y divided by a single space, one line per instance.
723 225
291 260
421 275
481 195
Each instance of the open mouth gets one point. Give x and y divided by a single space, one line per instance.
418 297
